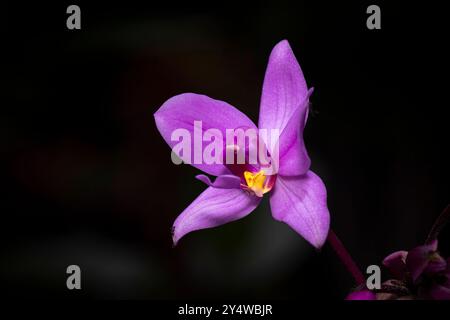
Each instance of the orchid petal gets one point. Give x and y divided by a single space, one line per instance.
294 159
436 264
420 258
284 106
227 181
301 202
396 263
284 88
361 295
439 292
180 112
214 207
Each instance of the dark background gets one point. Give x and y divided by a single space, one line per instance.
89 181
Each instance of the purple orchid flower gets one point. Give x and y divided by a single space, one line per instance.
421 273
423 270
419 261
297 197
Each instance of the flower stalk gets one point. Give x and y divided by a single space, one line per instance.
345 257
441 221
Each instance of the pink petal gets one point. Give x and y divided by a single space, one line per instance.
418 259
439 292
214 207
227 181
294 159
284 106
361 295
301 202
180 112
396 263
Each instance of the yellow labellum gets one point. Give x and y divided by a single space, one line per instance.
256 182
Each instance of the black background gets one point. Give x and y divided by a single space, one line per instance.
89 180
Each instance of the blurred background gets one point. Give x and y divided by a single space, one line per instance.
88 180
